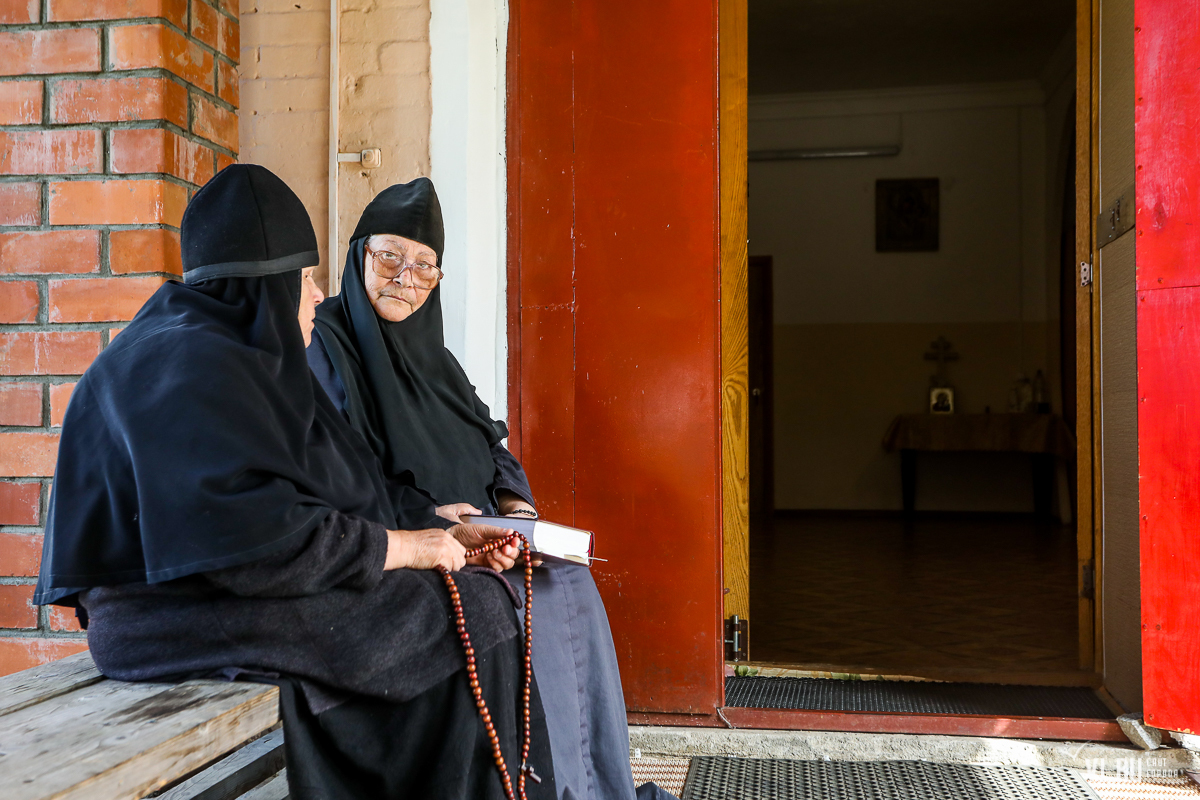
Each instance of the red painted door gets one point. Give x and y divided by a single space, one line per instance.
1167 60
614 316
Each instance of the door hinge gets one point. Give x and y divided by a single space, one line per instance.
1085 273
1087 583
736 638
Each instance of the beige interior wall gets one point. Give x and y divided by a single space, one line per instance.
848 381
385 98
852 325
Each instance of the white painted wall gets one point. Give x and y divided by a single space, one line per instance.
467 160
985 142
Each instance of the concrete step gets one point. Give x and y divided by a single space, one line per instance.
1094 757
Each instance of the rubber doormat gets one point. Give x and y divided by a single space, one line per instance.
915 697
718 778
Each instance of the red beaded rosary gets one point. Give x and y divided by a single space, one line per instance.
484 714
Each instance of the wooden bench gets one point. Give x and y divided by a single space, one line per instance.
66 731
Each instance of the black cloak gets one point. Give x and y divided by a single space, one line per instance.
199 439
405 392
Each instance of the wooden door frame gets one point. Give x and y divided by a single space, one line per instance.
1089 502
734 213
732 125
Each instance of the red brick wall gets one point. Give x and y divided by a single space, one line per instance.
112 113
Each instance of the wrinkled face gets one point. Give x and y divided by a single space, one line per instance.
395 300
310 296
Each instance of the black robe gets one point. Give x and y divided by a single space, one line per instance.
353 726
384 376
198 443
508 474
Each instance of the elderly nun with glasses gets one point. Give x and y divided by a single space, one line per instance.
380 354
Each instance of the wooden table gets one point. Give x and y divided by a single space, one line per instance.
1044 436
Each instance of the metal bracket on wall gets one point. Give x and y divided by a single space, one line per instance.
736 639
806 153
1117 218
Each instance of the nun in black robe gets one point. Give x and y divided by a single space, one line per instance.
384 375
214 515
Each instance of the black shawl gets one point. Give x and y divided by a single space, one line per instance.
405 392
199 439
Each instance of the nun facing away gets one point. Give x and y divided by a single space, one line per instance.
379 353
213 515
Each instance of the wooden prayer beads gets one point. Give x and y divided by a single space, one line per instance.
484 714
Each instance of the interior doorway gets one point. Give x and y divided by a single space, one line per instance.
910 178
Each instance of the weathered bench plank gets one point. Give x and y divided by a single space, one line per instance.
120 741
274 789
23 689
234 774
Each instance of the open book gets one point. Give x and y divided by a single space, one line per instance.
549 540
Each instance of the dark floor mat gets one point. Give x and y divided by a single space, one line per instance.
717 778
914 697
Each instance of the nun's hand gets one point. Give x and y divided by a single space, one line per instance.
473 535
424 550
510 502
455 511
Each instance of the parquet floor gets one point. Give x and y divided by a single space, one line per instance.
974 592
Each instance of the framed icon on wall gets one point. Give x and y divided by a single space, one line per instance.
907 214
941 400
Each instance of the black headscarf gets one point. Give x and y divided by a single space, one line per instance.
199 439
405 392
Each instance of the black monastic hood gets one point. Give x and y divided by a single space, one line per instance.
199 439
246 222
411 210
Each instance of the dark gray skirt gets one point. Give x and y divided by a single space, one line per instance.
576 667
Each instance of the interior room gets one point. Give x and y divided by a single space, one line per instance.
912 346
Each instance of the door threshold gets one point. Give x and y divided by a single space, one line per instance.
1066 729
790 699
1003 727
944 674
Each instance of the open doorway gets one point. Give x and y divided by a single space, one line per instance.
910 181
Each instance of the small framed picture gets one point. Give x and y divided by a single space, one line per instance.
906 215
941 400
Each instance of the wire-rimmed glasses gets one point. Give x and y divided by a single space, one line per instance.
390 266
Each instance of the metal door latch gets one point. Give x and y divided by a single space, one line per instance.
370 159
1085 273
736 633
1116 219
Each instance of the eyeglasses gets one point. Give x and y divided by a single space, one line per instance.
391 266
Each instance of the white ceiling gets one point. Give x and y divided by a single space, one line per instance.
828 45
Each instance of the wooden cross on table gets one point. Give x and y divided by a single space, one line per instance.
942 351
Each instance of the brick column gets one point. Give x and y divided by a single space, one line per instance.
112 113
